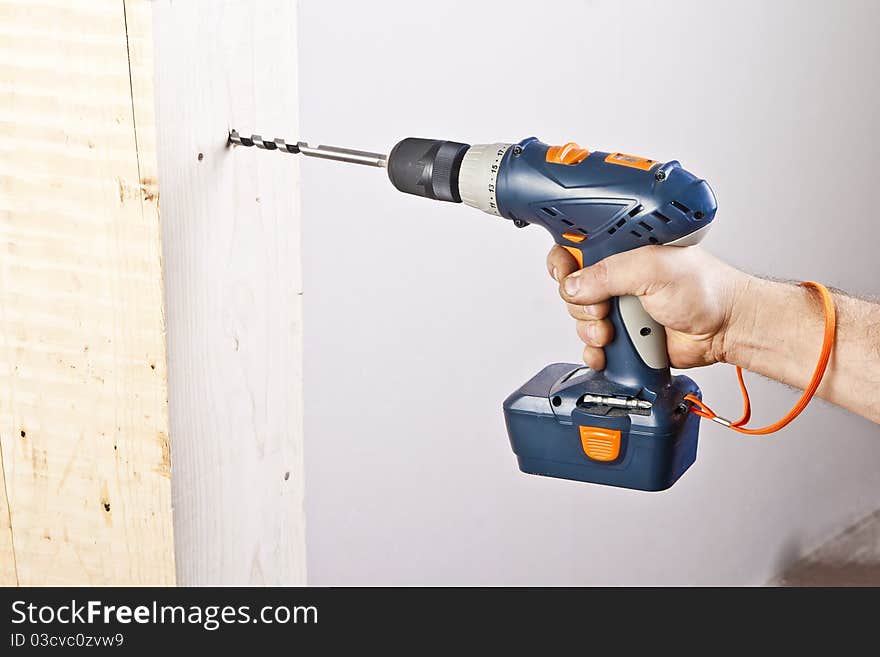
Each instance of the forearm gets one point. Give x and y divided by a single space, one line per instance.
775 329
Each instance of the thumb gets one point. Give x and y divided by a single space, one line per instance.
632 272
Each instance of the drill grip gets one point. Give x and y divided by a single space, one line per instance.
637 356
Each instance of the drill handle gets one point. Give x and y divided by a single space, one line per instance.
637 354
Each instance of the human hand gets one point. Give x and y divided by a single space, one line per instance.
687 290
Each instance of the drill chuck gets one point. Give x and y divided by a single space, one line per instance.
427 167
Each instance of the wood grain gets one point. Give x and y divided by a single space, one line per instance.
83 410
8 574
233 283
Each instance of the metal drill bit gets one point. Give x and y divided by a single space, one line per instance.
323 152
616 401
257 140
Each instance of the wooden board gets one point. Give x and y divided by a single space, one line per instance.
231 235
83 410
8 574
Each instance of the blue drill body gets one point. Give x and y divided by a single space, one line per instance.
603 204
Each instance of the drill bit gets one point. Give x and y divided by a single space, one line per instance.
616 401
323 152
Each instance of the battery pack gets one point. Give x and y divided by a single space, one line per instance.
554 432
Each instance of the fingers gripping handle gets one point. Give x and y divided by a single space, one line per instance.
637 355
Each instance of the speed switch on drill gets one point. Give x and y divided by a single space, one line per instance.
600 444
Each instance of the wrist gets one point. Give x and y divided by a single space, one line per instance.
767 323
736 339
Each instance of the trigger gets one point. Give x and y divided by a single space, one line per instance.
577 253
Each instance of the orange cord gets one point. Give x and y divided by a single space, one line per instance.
701 409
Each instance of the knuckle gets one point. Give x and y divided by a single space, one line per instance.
601 333
594 358
658 265
596 310
600 272
595 333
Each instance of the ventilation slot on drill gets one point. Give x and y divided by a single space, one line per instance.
681 206
662 217
636 210
637 234
647 227
550 211
619 224
567 222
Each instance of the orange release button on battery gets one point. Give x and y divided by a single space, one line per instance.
600 444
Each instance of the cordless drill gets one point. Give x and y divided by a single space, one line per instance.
627 425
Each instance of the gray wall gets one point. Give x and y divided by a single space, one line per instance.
421 318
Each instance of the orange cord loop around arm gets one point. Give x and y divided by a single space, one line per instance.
700 408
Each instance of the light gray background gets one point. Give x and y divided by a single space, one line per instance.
421 317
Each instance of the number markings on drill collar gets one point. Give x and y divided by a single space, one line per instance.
493 179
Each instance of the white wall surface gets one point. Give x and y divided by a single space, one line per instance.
421 317
230 232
